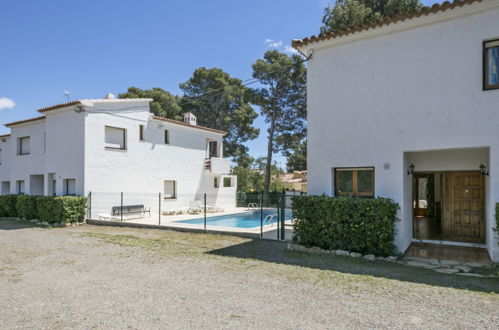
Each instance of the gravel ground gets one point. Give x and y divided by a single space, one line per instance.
115 278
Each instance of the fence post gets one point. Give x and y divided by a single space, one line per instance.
278 221
261 215
204 211
159 210
89 216
121 208
283 215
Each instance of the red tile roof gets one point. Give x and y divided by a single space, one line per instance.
188 125
60 105
425 11
24 121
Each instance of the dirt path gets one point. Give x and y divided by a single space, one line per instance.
100 277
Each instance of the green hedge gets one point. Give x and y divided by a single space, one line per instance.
273 198
359 225
52 209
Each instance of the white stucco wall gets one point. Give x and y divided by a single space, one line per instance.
372 100
71 145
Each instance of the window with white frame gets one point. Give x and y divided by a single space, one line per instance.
170 190
115 138
23 145
227 182
69 187
491 64
20 187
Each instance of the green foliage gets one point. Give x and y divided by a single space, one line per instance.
8 206
359 225
297 157
26 206
251 177
350 13
220 101
282 101
164 104
271 199
52 209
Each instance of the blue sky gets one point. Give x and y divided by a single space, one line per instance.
93 47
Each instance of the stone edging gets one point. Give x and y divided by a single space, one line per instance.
369 257
441 266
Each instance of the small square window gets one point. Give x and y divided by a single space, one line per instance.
170 189
23 145
354 182
491 64
115 138
69 187
227 182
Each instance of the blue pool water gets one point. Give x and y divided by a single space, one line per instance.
248 219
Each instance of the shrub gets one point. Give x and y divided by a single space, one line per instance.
27 207
359 225
8 206
51 209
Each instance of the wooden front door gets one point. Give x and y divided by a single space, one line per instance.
464 219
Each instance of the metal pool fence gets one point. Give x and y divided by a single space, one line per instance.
256 215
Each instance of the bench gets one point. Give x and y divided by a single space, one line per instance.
129 212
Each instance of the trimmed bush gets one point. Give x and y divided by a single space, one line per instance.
8 206
27 208
359 225
52 209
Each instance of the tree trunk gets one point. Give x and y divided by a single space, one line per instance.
266 187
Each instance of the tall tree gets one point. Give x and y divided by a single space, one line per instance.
297 157
164 104
221 102
282 101
349 13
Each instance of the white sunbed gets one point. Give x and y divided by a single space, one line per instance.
176 211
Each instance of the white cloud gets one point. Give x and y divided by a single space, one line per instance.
6 103
273 43
290 50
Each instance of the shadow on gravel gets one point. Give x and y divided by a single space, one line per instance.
276 252
7 224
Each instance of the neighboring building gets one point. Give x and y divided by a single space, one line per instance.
296 181
408 109
114 145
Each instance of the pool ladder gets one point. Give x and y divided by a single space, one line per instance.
252 206
268 219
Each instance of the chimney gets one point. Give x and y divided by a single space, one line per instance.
109 96
190 119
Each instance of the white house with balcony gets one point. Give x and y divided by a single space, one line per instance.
409 109
115 145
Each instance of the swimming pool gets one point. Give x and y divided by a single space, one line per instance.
248 219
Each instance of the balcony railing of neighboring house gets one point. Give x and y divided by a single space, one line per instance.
217 165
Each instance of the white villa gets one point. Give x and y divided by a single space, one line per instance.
408 109
115 145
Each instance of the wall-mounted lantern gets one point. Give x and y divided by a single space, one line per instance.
411 169
483 170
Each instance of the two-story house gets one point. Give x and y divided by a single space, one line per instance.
114 145
409 109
